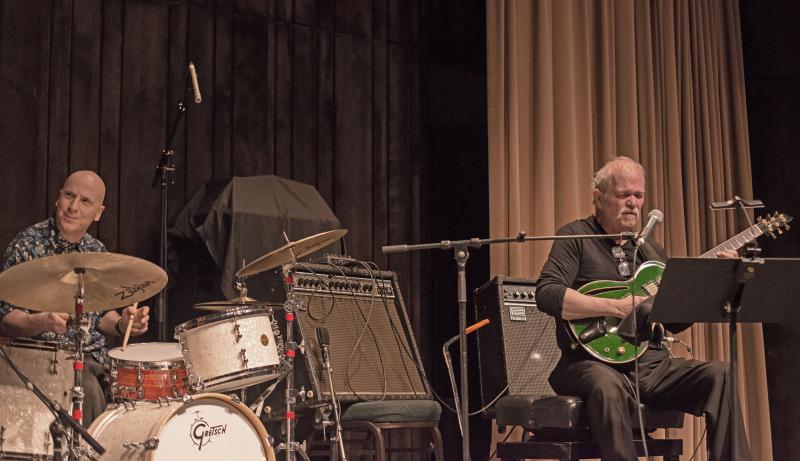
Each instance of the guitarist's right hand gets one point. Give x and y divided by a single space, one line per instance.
623 306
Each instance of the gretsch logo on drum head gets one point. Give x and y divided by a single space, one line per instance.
202 433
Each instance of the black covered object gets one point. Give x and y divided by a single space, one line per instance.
240 220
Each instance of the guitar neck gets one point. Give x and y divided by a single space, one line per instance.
739 240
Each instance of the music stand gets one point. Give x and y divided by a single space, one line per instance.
708 290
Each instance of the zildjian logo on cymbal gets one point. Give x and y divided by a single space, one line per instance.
132 290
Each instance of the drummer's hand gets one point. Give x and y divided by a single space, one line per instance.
139 317
727 254
54 322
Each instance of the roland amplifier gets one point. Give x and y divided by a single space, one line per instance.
518 349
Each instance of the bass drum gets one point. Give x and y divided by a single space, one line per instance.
203 427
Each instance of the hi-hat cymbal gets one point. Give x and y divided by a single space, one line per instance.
222 305
110 280
291 251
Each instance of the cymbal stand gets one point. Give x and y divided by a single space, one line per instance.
290 446
77 365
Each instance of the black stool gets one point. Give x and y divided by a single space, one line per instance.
560 430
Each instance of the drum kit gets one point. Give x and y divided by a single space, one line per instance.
170 399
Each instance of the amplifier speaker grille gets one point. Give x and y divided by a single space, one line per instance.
518 348
373 352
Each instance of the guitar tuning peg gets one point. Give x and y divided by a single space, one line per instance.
786 227
780 231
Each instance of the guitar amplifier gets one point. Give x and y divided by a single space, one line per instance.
373 351
518 349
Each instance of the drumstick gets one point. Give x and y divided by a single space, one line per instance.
128 329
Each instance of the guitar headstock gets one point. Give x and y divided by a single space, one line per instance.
775 223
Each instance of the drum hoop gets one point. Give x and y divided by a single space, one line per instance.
38 344
177 363
227 314
232 377
165 364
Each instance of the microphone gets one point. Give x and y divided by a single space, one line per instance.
195 86
653 218
324 340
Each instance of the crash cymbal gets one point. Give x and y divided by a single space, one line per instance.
291 251
111 280
222 305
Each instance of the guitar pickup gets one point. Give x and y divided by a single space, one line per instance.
595 330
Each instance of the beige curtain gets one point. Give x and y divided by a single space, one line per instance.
572 83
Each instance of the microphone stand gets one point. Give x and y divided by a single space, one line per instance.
165 175
323 339
461 255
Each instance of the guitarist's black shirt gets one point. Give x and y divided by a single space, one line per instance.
573 263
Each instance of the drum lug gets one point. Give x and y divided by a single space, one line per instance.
243 353
174 376
237 331
128 405
149 444
54 364
140 392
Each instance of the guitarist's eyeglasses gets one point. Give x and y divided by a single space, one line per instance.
623 268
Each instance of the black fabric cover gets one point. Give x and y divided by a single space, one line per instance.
247 219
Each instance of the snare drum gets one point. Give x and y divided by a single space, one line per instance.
235 348
147 371
202 427
24 419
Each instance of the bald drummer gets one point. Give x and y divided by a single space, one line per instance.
79 204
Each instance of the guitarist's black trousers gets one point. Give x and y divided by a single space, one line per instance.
696 387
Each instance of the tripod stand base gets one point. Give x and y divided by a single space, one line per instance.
290 449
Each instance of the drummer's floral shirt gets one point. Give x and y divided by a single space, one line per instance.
45 239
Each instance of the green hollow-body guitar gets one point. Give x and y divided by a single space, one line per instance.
598 335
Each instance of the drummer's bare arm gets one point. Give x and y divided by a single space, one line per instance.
18 323
109 325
